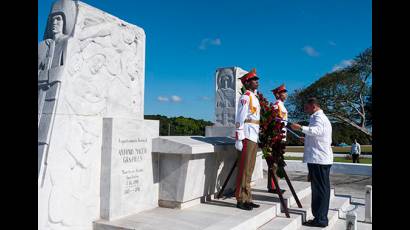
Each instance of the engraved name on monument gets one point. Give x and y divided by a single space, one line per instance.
127 179
132 153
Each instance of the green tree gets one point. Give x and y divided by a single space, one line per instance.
344 95
180 126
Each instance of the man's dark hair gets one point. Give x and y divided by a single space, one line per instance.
313 101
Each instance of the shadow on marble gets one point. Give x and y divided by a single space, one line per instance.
221 203
215 140
258 197
155 167
260 190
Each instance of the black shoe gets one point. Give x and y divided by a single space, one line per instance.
253 205
313 223
274 191
243 206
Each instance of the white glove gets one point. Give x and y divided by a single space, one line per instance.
238 145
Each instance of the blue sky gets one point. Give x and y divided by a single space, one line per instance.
292 42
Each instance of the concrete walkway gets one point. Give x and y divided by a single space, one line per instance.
300 154
350 185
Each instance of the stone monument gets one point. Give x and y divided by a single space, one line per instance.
227 93
90 86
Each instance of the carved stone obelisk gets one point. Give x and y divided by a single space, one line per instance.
227 93
91 86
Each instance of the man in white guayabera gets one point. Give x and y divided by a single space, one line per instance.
355 151
318 155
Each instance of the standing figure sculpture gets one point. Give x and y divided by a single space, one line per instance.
51 60
225 101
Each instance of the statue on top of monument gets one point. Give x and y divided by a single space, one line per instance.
226 91
225 96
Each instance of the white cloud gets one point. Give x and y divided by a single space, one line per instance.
176 99
309 50
343 64
332 43
205 98
162 99
206 42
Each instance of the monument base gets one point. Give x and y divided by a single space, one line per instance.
220 131
195 168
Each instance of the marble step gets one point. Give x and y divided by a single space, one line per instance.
245 220
281 222
298 215
259 192
305 212
211 215
335 207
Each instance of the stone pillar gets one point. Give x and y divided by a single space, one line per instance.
94 70
351 221
227 93
368 203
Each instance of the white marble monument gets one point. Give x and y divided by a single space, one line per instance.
227 92
91 66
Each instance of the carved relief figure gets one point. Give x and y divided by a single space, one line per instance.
51 61
225 97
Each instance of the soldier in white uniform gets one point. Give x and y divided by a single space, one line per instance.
279 106
247 135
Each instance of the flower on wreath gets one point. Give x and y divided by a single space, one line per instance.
271 133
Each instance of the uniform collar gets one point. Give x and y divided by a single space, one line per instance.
317 112
255 93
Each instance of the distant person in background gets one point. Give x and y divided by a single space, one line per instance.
355 151
318 155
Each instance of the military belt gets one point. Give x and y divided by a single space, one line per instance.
252 121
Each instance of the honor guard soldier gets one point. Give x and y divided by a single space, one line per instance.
247 135
279 106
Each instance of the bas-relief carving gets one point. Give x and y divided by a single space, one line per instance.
73 178
108 54
225 97
52 55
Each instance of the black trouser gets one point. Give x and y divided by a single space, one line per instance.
320 183
355 158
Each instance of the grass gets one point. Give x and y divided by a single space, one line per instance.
337 159
336 149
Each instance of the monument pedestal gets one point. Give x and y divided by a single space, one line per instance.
220 131
193 169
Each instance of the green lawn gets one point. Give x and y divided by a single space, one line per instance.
337 159
336 149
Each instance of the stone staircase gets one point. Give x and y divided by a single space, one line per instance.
222 213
